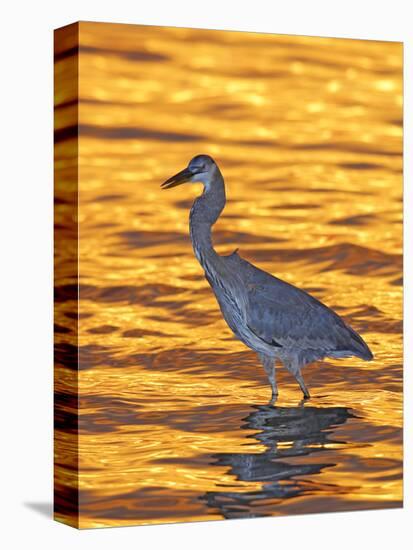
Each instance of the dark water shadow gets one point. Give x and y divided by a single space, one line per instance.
347 257
42 508
289 434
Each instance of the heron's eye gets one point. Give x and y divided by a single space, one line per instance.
199 168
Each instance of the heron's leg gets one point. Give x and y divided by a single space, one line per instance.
269 366
294 367
300 380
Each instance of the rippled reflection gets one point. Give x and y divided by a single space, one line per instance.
170 420
287 433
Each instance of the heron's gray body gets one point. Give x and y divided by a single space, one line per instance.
272 317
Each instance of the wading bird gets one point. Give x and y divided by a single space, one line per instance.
275 319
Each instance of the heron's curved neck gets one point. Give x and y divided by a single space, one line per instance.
204 213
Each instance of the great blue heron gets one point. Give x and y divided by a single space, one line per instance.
274 318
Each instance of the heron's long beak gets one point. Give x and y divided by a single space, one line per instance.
177 179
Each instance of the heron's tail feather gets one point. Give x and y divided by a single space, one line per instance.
359 346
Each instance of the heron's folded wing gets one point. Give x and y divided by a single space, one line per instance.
287 317
284 315
280 316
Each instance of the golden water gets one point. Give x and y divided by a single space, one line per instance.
174 423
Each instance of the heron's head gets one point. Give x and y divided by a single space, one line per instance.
201 168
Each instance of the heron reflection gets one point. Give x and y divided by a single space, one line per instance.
287 433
